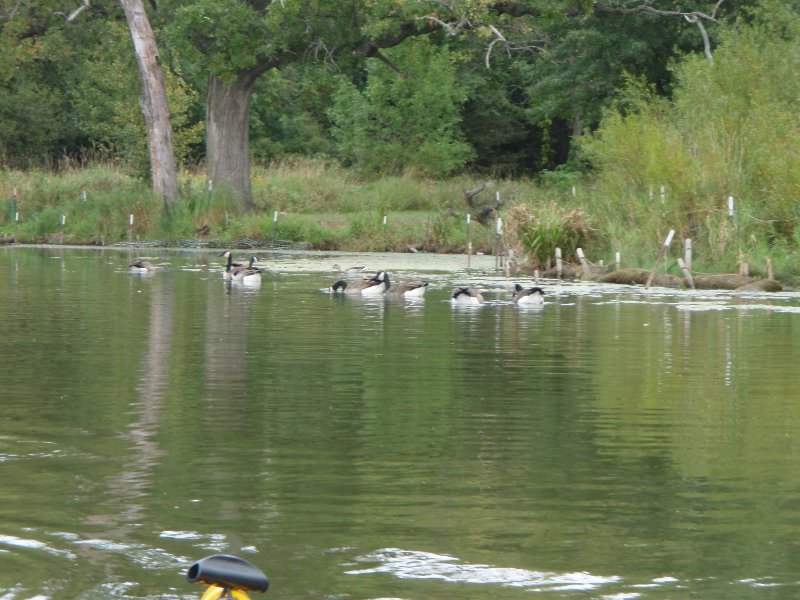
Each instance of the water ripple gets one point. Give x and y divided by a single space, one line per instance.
17 542
410 564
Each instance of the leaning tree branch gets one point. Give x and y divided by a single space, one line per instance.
371 48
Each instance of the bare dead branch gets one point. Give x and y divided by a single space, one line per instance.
695 17
498 37
453 29
320 48
69 18
469 195
704 35
13 12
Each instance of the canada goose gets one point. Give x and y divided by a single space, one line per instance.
408 289
142 266
368 287
528 296
248 274
229 266
349 272
466 296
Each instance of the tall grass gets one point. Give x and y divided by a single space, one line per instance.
731 130
316 202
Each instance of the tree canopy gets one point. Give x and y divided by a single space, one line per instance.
501 86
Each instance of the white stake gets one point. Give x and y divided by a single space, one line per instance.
730 206
687 253
559 263
469 242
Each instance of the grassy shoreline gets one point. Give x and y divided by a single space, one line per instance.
319 206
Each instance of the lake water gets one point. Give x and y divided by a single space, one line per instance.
614 443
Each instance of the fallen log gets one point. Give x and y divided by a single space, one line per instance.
568 271
721 281
762 285
634 276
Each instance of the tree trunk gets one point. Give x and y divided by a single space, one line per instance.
228 135
154 103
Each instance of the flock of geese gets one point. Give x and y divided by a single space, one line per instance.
355 283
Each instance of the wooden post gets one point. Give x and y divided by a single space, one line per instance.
130 228
770 273
536 275
617 260
559 264
661 254
687 273
63 225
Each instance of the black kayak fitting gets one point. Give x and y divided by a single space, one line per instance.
228 571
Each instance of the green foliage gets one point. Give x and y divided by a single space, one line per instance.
29 122
224 35
286 108
405 121
730 131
